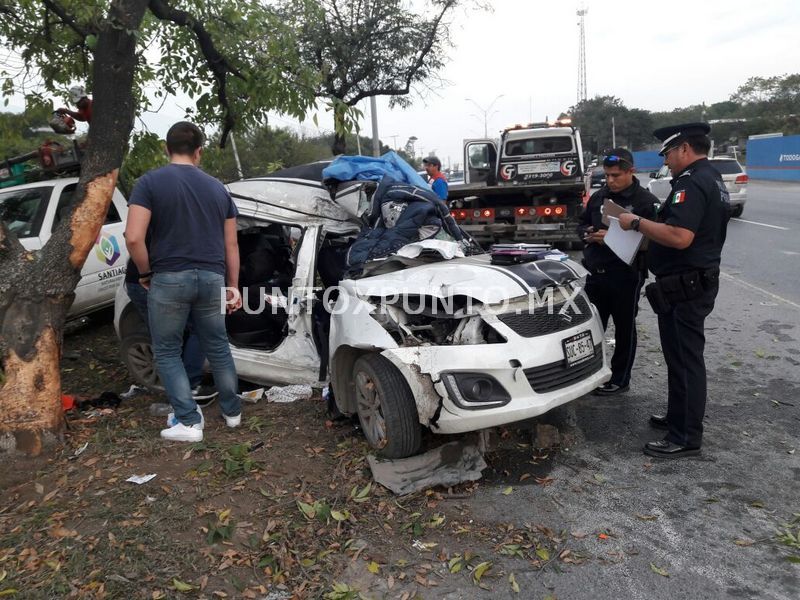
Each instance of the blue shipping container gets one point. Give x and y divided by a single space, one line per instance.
775 158
647 161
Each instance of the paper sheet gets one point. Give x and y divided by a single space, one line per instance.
624 244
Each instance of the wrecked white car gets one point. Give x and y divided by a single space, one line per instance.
425 338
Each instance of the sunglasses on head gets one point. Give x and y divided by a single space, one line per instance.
612 160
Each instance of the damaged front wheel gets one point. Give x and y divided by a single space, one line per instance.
386 407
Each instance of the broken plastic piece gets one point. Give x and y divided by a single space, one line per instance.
289 393
140 479
252 396
449 464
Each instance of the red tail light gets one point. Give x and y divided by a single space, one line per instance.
552 210
741 179
524 211
459 215
484 213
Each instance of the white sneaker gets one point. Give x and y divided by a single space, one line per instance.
172 421
182 433
234 421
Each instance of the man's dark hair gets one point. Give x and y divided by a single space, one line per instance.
184 138
618 157
701 144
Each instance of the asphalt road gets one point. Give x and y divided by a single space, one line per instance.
763 246
695 528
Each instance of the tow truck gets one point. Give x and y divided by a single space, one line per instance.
528 186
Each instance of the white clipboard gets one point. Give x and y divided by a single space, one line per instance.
625 244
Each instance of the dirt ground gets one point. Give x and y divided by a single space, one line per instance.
298 517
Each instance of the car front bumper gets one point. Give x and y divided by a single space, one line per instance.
512 364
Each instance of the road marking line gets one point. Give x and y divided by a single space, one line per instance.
758 289
790 253
762 224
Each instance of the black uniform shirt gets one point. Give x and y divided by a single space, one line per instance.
634 198
698 202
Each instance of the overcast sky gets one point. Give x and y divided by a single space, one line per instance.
652 55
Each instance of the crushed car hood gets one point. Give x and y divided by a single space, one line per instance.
472 276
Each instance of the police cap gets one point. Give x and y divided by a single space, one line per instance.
674 135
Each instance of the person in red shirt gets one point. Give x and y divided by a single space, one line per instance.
78 95
437 180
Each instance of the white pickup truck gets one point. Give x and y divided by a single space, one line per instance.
33 210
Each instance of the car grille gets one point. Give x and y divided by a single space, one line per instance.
542 322
557 375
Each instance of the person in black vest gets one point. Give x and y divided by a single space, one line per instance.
686 242
613 286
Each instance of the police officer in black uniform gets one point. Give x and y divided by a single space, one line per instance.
686 242
613 286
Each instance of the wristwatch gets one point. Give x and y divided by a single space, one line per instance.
635 224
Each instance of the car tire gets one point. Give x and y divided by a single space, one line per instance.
737 212
137 354
386 407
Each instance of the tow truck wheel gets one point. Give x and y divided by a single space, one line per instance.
386 408
137 353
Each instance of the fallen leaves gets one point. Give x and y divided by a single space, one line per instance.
658 570
181 586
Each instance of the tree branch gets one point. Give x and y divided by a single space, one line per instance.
219 65
66 18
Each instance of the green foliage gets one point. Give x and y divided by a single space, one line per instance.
254 46
363 49
760 105
594 117
147 151
268 149
237 460
18 131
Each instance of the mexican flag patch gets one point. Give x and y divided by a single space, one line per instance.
679 197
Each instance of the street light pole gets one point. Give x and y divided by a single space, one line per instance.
487 113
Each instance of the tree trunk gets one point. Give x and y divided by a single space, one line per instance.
37 289
339 145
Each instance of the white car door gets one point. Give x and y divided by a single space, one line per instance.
662 184
296 359
105 264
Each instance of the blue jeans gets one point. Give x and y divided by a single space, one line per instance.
193 357
174 298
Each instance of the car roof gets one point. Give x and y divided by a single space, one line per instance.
291 196
40 183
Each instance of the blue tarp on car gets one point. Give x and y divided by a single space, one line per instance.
350 168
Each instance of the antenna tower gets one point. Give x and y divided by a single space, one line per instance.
582 54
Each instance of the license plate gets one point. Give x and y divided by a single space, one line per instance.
539 167
578 348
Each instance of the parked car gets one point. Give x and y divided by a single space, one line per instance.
451 345
732 173
33 210
597 177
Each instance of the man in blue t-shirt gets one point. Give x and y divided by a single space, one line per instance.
192 255
437 180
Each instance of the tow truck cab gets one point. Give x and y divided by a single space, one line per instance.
526 186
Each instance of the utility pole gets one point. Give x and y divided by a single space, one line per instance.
613 133
486 112
582 93
236 156
376 143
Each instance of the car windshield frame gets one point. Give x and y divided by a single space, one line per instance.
533 146
31 225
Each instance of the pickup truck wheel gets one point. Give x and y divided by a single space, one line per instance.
137 353
386 407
